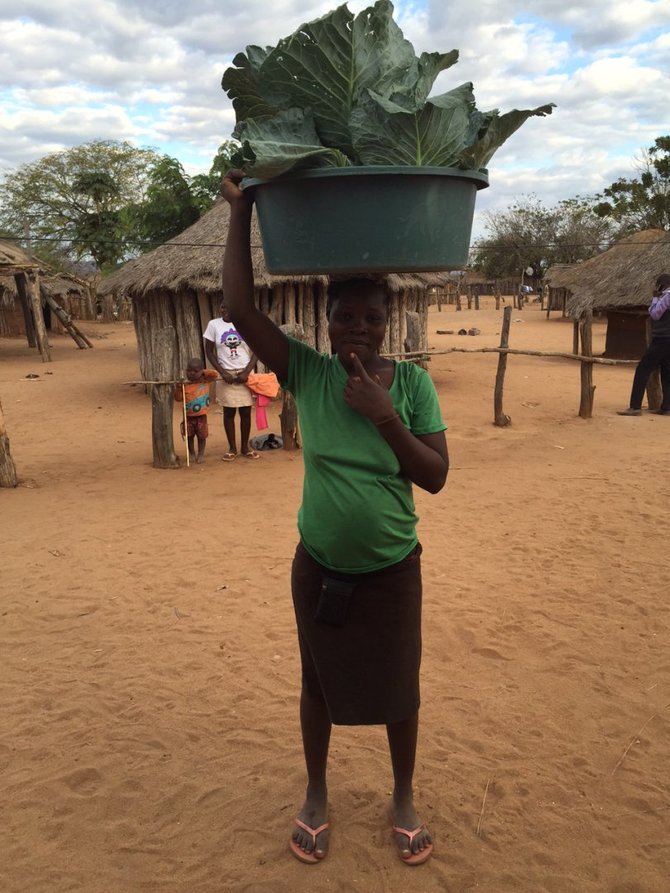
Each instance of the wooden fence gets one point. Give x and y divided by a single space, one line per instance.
584 329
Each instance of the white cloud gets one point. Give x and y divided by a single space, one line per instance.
151 73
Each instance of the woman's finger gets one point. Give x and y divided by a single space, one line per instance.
359 367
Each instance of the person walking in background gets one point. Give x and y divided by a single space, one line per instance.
371 428
658 352
194 392
230 356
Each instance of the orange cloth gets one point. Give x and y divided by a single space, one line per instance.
265 383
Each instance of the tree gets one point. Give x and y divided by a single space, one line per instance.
205 187
169 206
73 200
642 203
528 234
99 229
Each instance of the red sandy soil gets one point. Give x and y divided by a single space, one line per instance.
149 673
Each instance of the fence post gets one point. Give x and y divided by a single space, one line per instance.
499 418
588 388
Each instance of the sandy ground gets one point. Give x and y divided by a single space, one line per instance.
148 664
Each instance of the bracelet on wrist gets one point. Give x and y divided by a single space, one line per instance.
388 419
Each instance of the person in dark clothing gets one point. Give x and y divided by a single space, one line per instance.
658 352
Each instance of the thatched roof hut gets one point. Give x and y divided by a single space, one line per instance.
622 277
478 284
618 282
557 293
557 273
179 285
70 293
18 265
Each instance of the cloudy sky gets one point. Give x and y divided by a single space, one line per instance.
150 71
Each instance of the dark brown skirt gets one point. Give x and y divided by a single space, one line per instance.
366 671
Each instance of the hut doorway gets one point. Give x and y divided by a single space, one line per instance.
626 337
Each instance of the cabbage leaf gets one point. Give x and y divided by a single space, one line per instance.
347 89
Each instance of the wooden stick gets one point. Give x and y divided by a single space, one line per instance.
634 739
168 381
514 350
188 456
481 811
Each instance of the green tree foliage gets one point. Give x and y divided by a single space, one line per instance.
168 207
642 203
173 200
528 234
73 201
205 187
100 227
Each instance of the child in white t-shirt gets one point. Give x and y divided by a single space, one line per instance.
233 360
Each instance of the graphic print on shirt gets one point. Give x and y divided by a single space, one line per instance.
231 339
197 404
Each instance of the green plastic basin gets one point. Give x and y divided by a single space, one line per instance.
367 219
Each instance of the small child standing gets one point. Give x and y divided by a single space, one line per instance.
195 393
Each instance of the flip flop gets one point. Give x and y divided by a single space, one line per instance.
229 457
252 454
414 858
298 852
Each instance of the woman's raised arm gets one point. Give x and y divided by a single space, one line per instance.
264 338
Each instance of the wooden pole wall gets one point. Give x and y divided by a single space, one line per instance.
162 399
188 331
395 341
422 309
143 336
309 315
35 303
322 339
289 304
22 289
403 306
300 304
7 468
288 416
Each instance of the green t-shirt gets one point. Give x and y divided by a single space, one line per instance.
357 513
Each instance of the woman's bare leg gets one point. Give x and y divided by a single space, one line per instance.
316 726
402 738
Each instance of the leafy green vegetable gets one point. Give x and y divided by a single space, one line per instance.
276 145
350 90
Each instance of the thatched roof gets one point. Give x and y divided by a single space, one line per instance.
13 258
192 260
623 276
557 274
